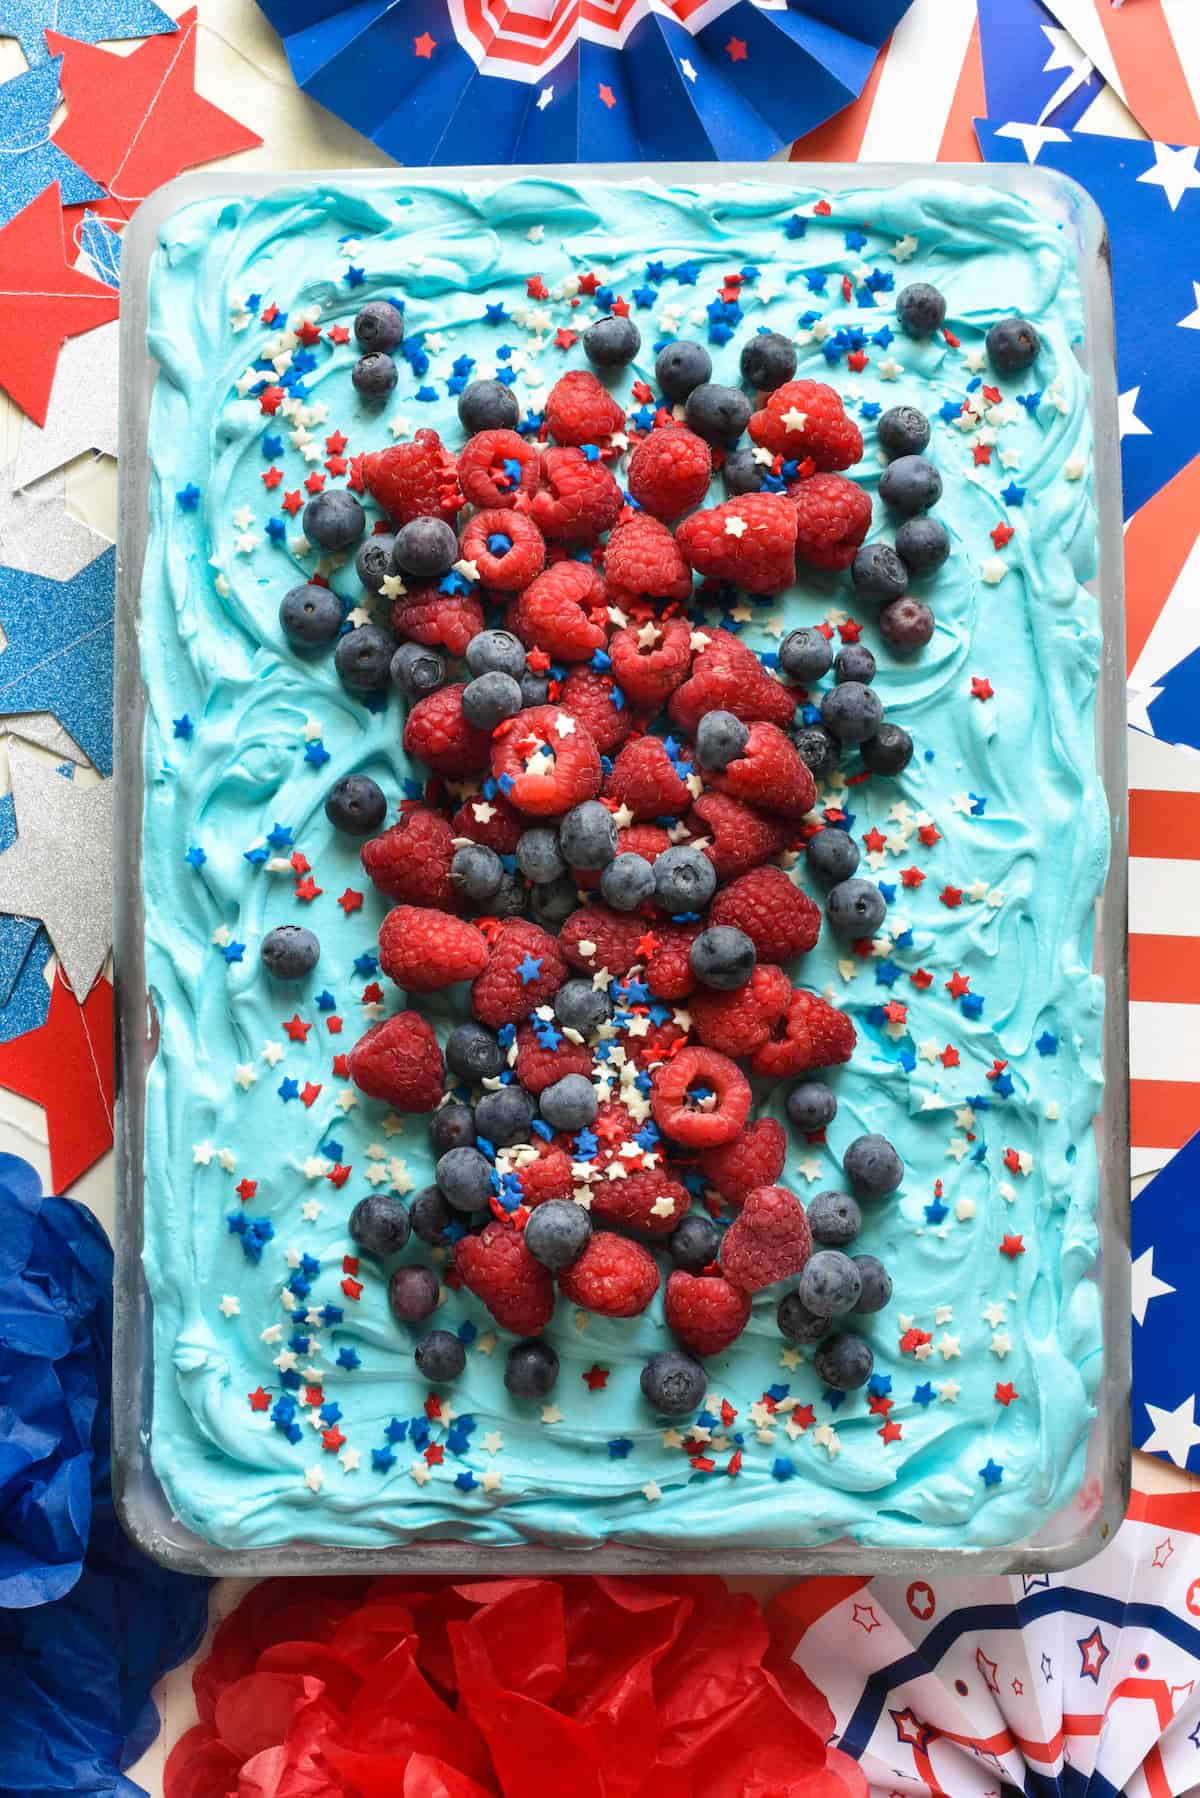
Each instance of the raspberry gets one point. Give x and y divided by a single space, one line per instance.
613 1276
833 515
647 782
414 480
503 994
669 969
497 1267
817 429
645 1200
438 735
778 917
643 561
426 615
646 840
424 950
594 937
506 547
770 1241
538 1067
738 838
545 1175
545 761
496 469
706 1311
579 410
399 1061
814 1035
769 773
614 1125
691 1123
669 472
588 696
753 1158
583 499
649 663
412 859
727 676
750 540
737 1023
553 612
492 822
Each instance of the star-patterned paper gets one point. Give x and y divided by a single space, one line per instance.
1166 1291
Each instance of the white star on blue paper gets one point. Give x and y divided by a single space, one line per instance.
1146 1284
1174 171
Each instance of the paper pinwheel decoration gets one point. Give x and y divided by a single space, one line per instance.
1075 1685
455 81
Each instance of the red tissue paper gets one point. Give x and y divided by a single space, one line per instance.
517 1688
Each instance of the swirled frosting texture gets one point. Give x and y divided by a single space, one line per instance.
1009 783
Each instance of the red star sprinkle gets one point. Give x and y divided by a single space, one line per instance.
992 395
957 985
734 1464
857 359
949 1056
564 338
735 49
336 464
372 994
702 1463
981 687
911 877
536 288
307 889
333 1024
338 334
851 631
336 443
620 307
259 1400
308 333
607 95
314 1396
875 839
349 1264
338 1176
951 339
424 46
341 1067
847 291
890 1431
929 835
803 1416
246 1189
728 1413
642 393
996 1069
596 1378
1012 1246
435 1454
921 979
293 502
951 896
271 478
1012 1161
352 1288
271 398
297 1029
350 901
589 283
1001 534
1006 1393
982 453
269 313
895 1012
823 208
310 1094
315 482
332 1440
913 1339
879 1404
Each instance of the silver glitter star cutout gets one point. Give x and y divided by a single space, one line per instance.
60 867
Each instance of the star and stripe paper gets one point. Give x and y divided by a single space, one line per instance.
1149 52
1165 1248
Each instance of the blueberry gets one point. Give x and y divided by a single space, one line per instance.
356 805
854 662
289 952
570 1104
430 1217
426 548
333 519
921 309
694 1243
1012 345
889 751
855 908
805 654
833 854
557 1233
488 406
906 624
876 1283
535 688
440 1357
451 1126
489 699
627 882
464 1179
505 1117
877 572
834 1219
579 1006
718 414
768 360
811 1105
413 1294
845 1361
872 1166
531 1369
416 670
612 342
742 472
680 367
673 1384
817 750
363 658
922 544
374 375
373 563
851 712
720 739
909 485
379 1224
511 897
379 325
794 1320
310 616
473 1053
684 879
476 872
496 652
829 1284
538 855
552 903
903 431
587 835
722 957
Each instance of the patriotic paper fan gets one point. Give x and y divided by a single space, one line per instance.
482 81
1075 1685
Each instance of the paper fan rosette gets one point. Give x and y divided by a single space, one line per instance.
1076 1685
480 81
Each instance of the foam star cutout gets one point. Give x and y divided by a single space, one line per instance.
60 866
67 1068
43 302
90 20
59 652
32 160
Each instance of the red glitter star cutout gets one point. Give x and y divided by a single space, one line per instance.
297 1029
736 50
950 1057
607 95
981 687
1001 534
42 302
957 985
1005 1394
1012 1246
424 46
596 1378
246 1189
350 901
